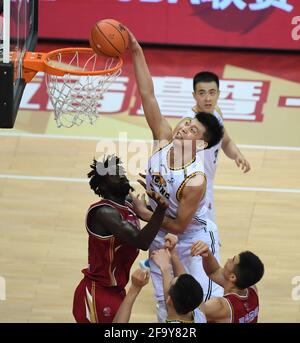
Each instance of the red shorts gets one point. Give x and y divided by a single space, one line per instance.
96 304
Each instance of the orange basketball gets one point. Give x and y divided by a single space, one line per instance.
109 37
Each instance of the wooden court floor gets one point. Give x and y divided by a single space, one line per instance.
43 243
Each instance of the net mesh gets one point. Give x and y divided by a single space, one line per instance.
77 98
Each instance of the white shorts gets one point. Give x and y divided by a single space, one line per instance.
193 265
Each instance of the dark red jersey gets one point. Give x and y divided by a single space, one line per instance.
244 309
109 258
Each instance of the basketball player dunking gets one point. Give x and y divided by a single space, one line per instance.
176 171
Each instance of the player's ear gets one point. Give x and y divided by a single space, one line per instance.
169 301
232 278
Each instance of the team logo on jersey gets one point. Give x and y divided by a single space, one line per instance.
106 311
246 306
157 181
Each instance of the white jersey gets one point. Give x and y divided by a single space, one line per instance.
210 166
170 183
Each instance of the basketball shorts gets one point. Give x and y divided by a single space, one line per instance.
96 304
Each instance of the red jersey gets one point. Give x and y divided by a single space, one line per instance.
109 258
244 309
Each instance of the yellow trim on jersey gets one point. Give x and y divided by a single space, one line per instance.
113 280
94 302
182 167
180 188
217 108
195 109
174 320
89 303
160 148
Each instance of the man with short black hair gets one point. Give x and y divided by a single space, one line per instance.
240 303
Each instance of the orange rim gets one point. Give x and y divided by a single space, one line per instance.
36 61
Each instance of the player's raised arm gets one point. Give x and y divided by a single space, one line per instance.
161 129
190 197
162 259
211 266
139 279
112 222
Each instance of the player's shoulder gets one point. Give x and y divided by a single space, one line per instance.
196 179
254 288
106 208
160 145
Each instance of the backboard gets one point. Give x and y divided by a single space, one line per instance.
18 34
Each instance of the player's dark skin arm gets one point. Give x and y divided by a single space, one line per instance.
107 221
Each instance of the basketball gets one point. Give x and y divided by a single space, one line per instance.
109 37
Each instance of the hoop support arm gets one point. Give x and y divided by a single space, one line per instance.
34 62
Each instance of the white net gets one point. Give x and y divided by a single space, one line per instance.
77 98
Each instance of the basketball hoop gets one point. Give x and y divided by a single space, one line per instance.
76 80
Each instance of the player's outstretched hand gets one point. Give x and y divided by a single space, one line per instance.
133 43
243 163
139 204
199 248
159 199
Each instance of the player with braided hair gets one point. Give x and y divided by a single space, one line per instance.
115 238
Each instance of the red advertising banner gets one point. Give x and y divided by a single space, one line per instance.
241 98
271 24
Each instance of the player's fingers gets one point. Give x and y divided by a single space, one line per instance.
151 194
198 249
247 167
194 252
143 198
199 252
237 162
167 243
147 275
196 245
142 183
143 175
